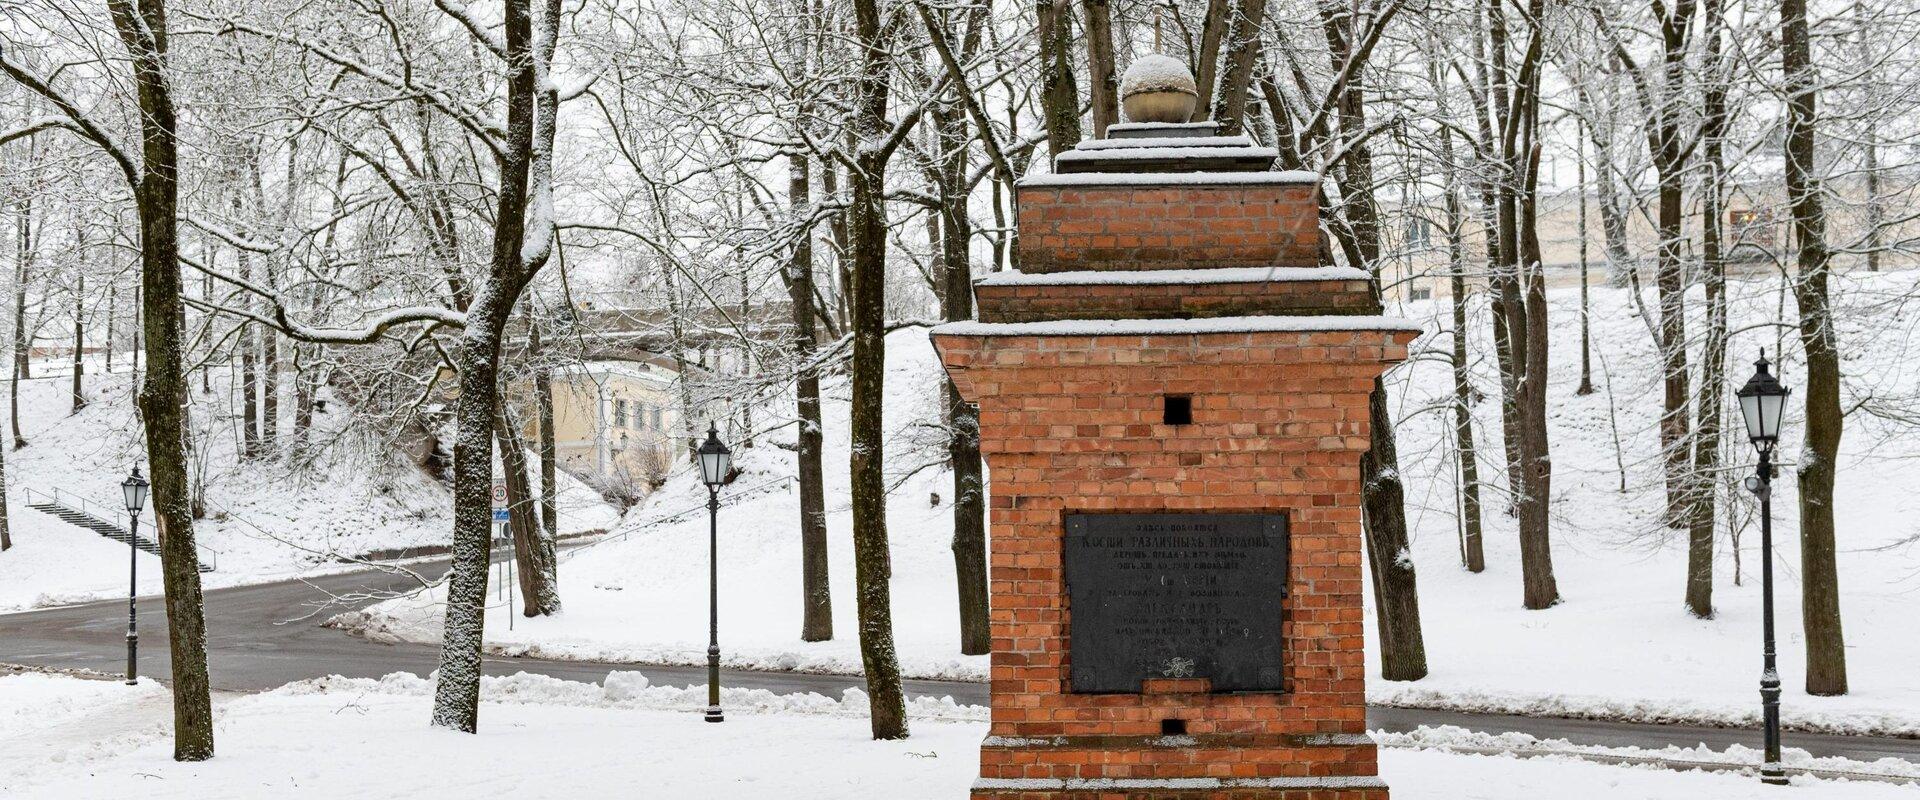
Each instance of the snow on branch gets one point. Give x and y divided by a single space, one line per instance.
481 33
474 120
82 124
370 330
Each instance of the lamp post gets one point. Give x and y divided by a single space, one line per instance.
134 491
1761 402
715 462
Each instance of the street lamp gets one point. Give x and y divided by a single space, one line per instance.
715 461
1761 402
134 491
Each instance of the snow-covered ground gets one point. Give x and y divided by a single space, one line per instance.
1621 645
543 738
268 519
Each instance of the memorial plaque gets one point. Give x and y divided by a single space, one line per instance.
1175 596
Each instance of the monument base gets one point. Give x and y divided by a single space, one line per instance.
1178 789
1211 766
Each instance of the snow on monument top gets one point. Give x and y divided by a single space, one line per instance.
1157 73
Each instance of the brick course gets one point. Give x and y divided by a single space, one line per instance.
1177 226
1033 303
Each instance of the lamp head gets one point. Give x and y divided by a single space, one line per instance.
716 461
134 491
1762 402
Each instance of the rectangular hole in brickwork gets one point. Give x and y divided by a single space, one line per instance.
1178 410
1173 727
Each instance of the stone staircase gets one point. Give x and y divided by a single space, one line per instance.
81 514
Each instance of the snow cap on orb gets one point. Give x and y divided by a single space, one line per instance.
1158 88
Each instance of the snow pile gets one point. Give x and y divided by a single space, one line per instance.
1157 73
640 595
59 720
632 690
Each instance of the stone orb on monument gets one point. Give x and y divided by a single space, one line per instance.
1158 88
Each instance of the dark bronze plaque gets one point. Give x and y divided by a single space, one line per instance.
1175 596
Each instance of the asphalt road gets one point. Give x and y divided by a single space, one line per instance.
262 636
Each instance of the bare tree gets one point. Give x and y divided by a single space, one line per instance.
141 26
1820 579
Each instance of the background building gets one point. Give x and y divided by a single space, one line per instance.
616 423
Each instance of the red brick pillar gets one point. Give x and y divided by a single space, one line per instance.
1074 371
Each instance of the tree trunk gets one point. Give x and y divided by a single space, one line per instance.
532 548
963 419
1819 574
79 344
303 391
248 342
816 588
456 702
873 568
1204 72
22 347
269 389
6 530
1103 86
1520 280
549 449
1586 329
1536 551
1059 97
1669 151
867 226
113 310
1243 50
1403 651
162 391
1713 356
1509 341
1472 548
22 351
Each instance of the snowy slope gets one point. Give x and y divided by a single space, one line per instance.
1621 644
641 595
268 519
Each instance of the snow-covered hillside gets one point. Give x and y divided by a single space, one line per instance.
267 518
640 594
1620 645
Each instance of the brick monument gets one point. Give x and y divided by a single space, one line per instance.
1173 406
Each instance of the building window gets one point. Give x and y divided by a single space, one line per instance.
1419 293
1419 232
619 413
640 415
655 414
